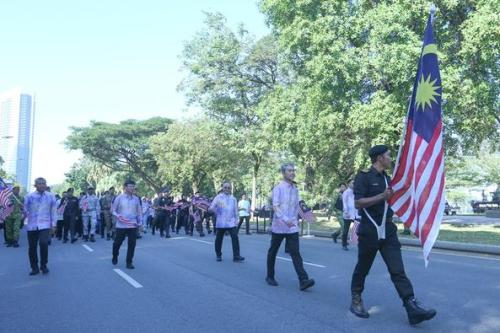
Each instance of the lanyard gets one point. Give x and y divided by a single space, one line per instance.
381 228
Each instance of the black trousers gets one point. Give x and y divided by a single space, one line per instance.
247 223
35 238
59 230
390 249
131 234
182 221
69 225
345 231
234 240
160 224
292 245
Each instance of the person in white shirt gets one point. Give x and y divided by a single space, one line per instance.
244 212
225 208
349 213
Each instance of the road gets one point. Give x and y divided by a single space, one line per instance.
178 286
470 219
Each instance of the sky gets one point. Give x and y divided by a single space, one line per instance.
105 60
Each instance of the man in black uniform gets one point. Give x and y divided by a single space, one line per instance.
71 210
376 233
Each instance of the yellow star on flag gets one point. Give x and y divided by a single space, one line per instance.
426 93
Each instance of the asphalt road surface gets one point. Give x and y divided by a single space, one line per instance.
178 286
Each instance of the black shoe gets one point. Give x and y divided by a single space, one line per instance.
44 269
130 266
219 258
108 238
65 241
85 238
249 233
345 248
92 238
15 244
334 237
9 244
304 284
34 272
357 307
202 235
168 236
271 281
416 313
114 261
74 240
239 259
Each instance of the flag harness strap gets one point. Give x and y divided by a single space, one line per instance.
380 228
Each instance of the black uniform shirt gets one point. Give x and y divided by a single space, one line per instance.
72 208
368 184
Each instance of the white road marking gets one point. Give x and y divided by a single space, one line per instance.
177 238
305 262
88 248
466 255
127 278
201 241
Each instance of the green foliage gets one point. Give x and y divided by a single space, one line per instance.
197 156
354 65
121 147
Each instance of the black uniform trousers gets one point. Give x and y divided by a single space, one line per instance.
345 231
131 234
35 238
234 240
292 245
390 249
246 219
69 225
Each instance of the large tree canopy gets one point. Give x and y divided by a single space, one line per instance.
121 147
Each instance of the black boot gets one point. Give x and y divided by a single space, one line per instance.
307 283
417 314
357 307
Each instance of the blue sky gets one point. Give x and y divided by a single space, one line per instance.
104 60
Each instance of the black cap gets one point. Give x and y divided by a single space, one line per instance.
377 150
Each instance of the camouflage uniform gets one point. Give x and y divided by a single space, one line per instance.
13 222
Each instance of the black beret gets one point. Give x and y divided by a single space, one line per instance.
377 150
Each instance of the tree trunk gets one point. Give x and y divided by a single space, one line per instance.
255 173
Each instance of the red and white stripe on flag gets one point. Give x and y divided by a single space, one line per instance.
418 186
5 197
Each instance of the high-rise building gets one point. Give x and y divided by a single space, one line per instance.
17 115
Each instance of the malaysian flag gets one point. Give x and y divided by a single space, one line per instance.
306 213
6 208
418 181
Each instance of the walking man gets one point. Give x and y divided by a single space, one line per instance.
128 213
285 225
377 233
349 214
244 213
41 214
91 208
14 220
225 208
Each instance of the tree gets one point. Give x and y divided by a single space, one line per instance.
195 154
354 64
121 147
228 74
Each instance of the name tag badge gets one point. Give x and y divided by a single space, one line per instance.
375 184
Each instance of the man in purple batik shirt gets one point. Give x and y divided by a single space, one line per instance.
285 225
41 216
128 213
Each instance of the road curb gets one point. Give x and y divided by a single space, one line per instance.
444 245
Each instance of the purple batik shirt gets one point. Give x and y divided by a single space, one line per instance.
225 207
127 210
40 210
286 208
